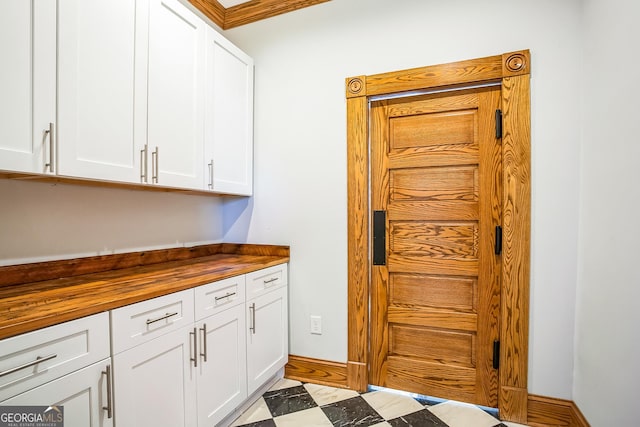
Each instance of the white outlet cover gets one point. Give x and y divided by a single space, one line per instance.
315 326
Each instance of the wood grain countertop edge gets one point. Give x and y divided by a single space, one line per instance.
29 306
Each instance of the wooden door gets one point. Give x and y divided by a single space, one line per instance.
436 173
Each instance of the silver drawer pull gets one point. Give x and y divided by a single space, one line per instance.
266 282
109 407
166 316
252 316
51 147
27 365
144 163
229 294
203 350
194 359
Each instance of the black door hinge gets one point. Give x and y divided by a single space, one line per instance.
498 124
379 237
498 244
496 354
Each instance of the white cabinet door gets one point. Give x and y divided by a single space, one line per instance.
176 95
27 83
34 358
222 377
83 394
154 383
229 117
97 118
267 337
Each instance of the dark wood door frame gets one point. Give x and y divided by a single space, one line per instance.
512 71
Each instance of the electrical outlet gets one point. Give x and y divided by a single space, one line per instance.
316 325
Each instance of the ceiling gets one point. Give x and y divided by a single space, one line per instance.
233 13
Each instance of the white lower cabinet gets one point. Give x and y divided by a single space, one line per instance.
222 369
84 396
267 317
63 365
226 348
154 383
267 337
185 359
192 376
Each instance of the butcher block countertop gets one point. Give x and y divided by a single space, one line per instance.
34 296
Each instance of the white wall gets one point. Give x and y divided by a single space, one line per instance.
607 371
302 59
46 221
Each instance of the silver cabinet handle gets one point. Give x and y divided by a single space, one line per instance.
203 351
266 282
194 359
229 294
166 316
155 159
210 174
252 312
109 407
144 163
51 134
28 365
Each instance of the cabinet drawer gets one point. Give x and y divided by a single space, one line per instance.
262 281
62 349
218 296
138 323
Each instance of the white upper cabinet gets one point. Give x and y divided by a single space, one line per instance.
98 122
137 91
27 84
176 95
229 117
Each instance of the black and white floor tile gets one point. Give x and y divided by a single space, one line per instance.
293 404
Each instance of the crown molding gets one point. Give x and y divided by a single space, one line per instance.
251 11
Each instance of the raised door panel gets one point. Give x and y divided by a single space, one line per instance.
222 371
27 83
155 384
82 394
97 117
229 117
176 95
267 337
32 359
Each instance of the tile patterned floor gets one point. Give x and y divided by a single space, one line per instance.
293 404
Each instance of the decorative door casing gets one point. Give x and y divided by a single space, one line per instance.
512 71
